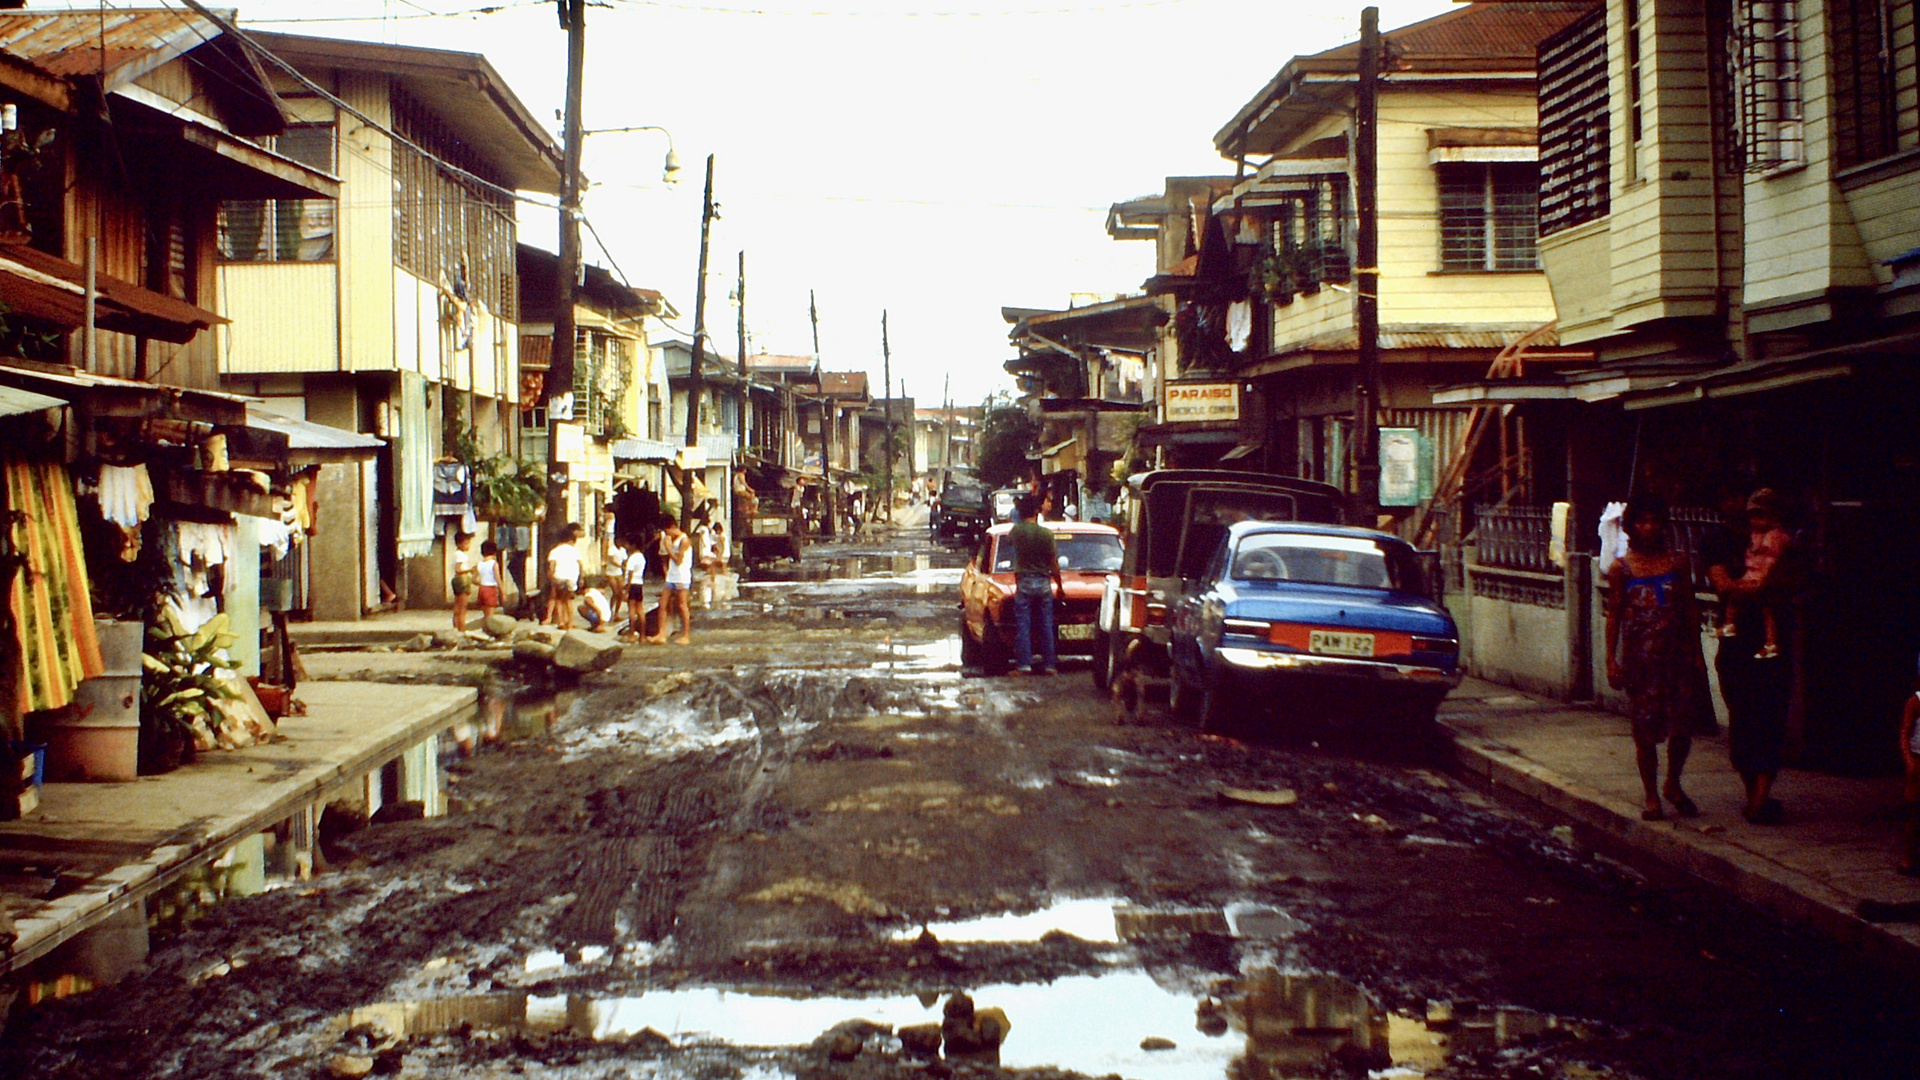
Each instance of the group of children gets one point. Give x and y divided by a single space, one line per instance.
566 598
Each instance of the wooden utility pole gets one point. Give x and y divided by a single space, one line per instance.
558 390
886 388
740 332
946 428
695 384
1366 274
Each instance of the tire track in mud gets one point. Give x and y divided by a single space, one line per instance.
654 831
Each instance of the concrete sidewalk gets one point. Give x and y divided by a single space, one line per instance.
122 842
1837 848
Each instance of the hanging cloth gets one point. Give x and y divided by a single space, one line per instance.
52 611
126 493
413 464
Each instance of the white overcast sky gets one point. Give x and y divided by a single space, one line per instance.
933 158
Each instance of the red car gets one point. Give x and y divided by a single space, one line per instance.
1087 554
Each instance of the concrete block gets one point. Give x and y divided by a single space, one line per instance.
582 651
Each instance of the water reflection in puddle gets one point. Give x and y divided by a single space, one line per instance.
1268 1025
1104 921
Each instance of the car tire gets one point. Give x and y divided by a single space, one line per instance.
1100 666
993 655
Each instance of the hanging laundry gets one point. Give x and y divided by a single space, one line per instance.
452 493
126 494
277 536
52 608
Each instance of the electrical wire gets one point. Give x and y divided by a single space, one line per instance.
263 53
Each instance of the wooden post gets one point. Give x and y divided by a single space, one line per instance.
695 383
559 383
1366 275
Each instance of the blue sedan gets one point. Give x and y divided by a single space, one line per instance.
1299 617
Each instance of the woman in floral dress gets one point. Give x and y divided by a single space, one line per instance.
1653 651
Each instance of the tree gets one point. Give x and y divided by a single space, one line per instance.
1007 436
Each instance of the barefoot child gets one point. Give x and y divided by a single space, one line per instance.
676 547
462 582
488 574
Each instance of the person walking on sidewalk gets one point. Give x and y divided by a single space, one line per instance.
1754 685
1036 572
1653 651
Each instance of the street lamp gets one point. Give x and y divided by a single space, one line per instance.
670 171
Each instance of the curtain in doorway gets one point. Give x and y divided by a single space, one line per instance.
413 468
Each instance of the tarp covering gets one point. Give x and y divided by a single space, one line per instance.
48 597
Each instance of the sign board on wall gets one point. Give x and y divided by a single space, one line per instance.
570 444
1189 402
1406 467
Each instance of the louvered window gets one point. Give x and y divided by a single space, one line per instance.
1575 148
284 230
1766 69
1874 76
1489 216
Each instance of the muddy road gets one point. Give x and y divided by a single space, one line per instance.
802 845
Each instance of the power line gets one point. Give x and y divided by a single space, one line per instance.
264 53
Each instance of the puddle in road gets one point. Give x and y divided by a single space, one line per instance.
940 657
1265 1026
1106 921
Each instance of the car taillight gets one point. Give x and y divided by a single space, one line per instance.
1156 614
1449 646
1255 627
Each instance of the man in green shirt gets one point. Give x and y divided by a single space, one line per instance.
1036 570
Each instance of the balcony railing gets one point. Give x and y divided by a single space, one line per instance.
1515 538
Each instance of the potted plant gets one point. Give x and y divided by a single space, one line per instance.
508 490
181 688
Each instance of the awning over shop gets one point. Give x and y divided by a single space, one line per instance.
642 450
1188 434
1084 405
45 286
14 401
105 395
308 443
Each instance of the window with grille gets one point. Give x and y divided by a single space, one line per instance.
1306 241
283 230
1766 70
1575 151
1876 90
1489 216
448 228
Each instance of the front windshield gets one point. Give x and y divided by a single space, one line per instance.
1092 552
1317 560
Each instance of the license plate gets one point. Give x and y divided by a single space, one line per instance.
1082 632
1339 643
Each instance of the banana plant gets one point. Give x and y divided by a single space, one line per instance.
183 681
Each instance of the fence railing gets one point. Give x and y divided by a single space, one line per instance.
1514 537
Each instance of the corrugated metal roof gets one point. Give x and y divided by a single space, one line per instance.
843 383
14 401
77 42
1503 31
307 439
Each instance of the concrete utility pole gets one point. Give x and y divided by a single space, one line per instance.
558 392
1366 274
695 384
886 404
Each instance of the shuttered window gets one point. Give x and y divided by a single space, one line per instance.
284 230
1489 216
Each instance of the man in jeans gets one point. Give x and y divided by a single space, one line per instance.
1036 569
